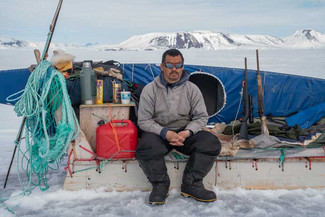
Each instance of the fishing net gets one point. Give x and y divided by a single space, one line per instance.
50 125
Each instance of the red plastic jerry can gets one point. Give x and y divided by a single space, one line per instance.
127 136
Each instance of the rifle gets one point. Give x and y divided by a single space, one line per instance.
251 117
260 97
243 133
46 48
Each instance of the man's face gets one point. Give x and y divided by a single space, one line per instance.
172 75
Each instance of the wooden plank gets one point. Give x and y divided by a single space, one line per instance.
124 176
128 176
105 105
297 173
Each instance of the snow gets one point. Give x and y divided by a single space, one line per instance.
7 41
301 39
6 38
305 62
235 202
217 40
305 39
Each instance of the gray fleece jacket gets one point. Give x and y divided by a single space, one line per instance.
175 107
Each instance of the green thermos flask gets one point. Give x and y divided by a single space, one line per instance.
87 83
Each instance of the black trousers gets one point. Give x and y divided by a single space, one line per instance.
153 147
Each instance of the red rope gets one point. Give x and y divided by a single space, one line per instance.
303 144
86 159
317 157
114 130
68 166
87 150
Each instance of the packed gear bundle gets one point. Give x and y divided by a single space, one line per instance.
109 72
63 62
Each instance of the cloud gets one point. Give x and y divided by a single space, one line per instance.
108 21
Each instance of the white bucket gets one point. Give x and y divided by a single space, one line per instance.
125 97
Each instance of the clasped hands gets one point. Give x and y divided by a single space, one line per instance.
177 139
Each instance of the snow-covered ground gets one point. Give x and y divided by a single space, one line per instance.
306 62
237 202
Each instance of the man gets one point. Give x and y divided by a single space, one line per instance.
172 114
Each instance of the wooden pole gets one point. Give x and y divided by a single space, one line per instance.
260 96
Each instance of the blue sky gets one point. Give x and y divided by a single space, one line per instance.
111 22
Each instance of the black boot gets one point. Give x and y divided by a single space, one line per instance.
196 169
159 193
156 172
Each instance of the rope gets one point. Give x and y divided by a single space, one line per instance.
114 130
149 65
68 166
132 72
241 97
87 150
50 125
177 157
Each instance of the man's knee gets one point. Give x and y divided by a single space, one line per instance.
151 146
209 144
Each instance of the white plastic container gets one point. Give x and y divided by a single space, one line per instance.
125 97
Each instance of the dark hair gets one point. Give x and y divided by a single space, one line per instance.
173 53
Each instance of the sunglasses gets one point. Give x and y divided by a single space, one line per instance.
171 66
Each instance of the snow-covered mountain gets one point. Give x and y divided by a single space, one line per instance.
305 39
188 40
7 41
217 40
197 39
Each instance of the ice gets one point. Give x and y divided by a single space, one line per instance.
305 62
237 202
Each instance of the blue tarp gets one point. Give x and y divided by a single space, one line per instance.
12 81
308 117
283 94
